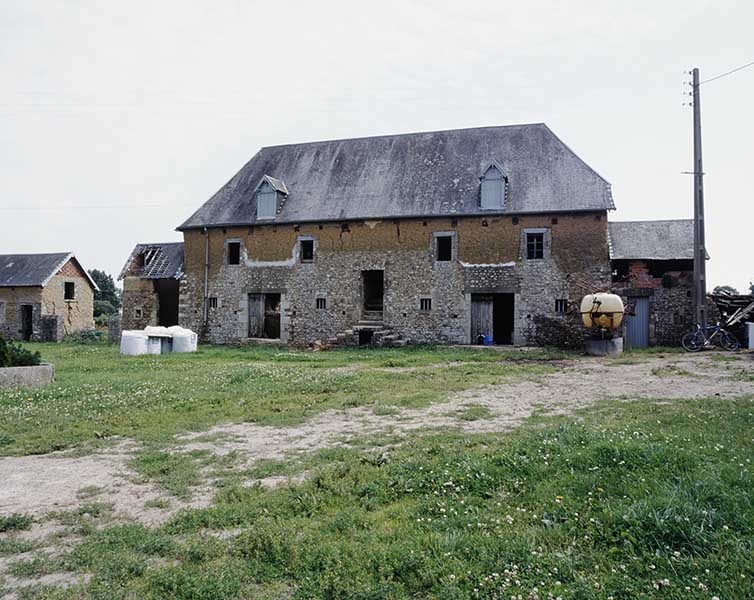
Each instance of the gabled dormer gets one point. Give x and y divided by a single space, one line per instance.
493 182
270 195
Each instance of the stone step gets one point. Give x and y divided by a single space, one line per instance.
393 337
398 343
372 315
368 327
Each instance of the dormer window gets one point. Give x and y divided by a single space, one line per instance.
269 194
493 187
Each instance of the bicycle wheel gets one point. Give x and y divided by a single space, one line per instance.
729 341
693 341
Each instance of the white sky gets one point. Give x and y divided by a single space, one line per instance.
118 119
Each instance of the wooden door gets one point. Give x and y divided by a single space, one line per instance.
256 315
637 324
481 316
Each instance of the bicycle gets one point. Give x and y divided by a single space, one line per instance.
695 340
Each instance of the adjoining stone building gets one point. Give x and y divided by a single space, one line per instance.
151 278
44 297
442 237
653 270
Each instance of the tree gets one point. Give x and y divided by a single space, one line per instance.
725 289
108 294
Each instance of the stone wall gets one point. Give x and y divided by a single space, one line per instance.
670 296
11 301
77 314
140 303
488 256
51 328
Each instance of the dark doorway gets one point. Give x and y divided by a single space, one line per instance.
27 322
492 315
264 316
374 289
167 301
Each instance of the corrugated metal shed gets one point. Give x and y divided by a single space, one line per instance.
411 175
34 270
652 240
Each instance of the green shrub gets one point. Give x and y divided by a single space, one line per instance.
15 522
14 355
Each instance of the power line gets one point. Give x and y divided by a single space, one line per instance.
727 73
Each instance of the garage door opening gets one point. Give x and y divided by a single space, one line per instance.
492 317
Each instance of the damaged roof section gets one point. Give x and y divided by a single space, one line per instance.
35 270
410 175
652 240
155 261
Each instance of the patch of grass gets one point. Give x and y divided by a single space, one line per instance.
671 371
37 566
10 546
384 410
723 357
161 503
473 412
15 522
99 394
636 500
175 472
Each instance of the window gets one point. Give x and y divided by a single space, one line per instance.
234 253
535 246
493 188
267 202
138 313
321 303
425 304
69 291
307 250
213 302
2 313
444 248
561 306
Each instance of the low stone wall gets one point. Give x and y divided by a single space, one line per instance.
28 377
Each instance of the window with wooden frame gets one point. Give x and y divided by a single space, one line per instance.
234 253
535 245
69 290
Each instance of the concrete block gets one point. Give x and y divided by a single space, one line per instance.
27 377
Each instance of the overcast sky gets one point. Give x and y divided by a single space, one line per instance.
119 119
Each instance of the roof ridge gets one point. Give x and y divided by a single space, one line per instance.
394 135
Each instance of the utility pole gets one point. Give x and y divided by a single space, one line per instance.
700 251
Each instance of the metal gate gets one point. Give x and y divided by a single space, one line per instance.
637 325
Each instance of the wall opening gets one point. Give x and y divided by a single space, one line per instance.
27 322
374 290
492 315
167 301
264 316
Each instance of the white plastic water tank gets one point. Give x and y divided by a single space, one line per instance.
154 344
184 340
750 335
133 343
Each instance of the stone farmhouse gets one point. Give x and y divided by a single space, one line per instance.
442 237
44 297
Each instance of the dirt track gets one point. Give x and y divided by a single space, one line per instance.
39 484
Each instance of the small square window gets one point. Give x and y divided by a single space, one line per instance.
321 303
213 302
535 246
69 292
234 253
307 250
138 313
425 304
561 306
444 248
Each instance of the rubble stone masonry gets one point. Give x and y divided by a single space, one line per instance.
489 256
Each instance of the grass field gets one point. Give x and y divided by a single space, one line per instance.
632 500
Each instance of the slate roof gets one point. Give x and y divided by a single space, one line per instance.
35 270
652 240
163 260
411 175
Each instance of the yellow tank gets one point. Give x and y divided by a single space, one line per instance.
602 310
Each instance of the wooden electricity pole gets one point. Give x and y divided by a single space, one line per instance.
700 252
